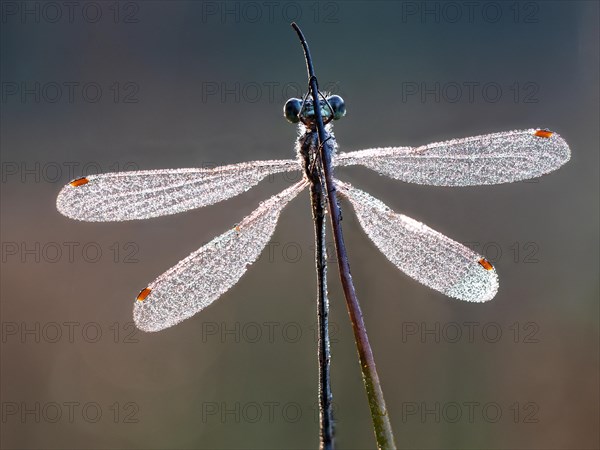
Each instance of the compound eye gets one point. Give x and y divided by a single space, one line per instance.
338 105
291 110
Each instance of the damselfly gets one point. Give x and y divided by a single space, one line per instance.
424 254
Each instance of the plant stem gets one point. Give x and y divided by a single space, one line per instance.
379 414
318 201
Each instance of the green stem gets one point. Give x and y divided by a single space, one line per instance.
379 413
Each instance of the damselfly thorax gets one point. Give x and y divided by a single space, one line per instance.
302 112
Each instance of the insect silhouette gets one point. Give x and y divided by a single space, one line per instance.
422 253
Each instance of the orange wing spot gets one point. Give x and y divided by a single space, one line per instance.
143 294
79 182
485 264
237 228
544 133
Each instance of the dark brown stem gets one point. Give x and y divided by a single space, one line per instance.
379 413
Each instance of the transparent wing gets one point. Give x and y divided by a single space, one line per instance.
488 159
422 253
151 193
198 280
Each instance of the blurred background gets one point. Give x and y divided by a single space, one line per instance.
102 86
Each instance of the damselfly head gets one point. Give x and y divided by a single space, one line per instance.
296 110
